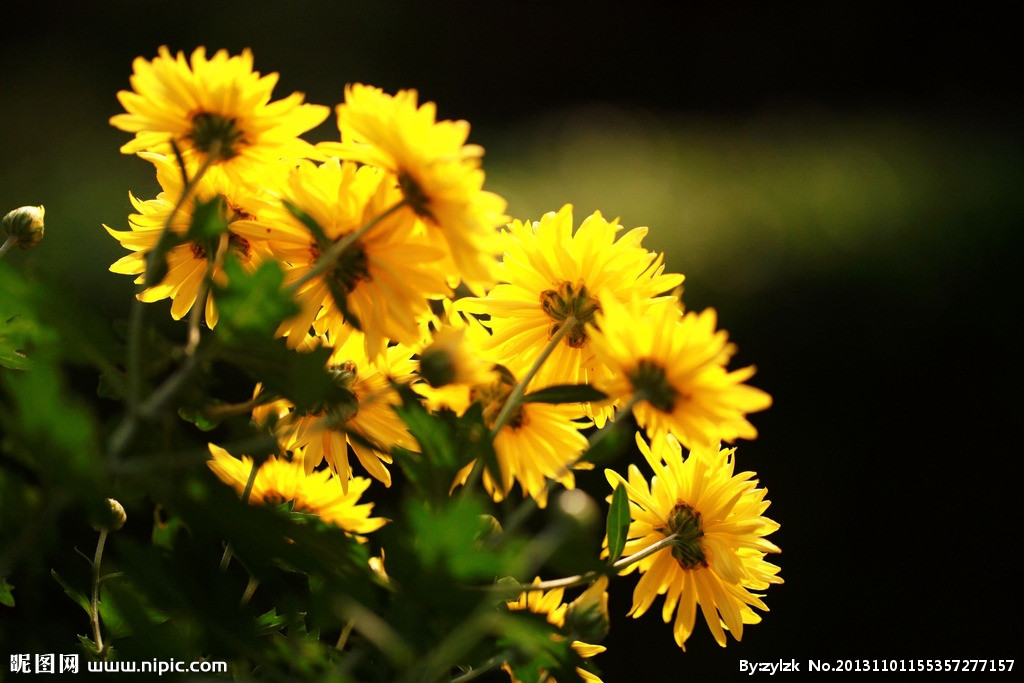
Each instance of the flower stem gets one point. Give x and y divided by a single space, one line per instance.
124 432
229 549
492 663
331 256
517 392
94 611
8 243
622 563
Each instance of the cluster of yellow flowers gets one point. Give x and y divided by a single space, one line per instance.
374 233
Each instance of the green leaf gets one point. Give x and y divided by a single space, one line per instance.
6 597
314 228
208 220
252 305
566 393
75 595
270 622
618 523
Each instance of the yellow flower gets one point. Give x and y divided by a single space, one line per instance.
282 481
539 441
214 109
388 275
187 263
327 433
718 556
674 364
440 175
547 274
550 604
454 361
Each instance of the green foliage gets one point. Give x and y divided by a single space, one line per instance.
618 523
6 592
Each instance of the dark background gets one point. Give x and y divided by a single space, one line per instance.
843 184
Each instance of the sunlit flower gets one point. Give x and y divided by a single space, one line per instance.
215 110
367 422
675 365
439 175
453 362
282 481
539 441
549 603
388 275
187 262
548 274
718 556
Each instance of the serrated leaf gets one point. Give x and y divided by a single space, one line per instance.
566 393
618 523
6 596
75 595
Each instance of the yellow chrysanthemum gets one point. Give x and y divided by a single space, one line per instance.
282 481
549 603
675 365
549 273
540 441
187 263
718 556
388 275
214 109
453 362
326 434
440 175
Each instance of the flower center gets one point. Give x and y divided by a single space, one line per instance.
340 412
414 195
217 134
493 397
565 300
684 521
650 378
349 269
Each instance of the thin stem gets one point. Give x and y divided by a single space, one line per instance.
94 611
228 549
250 588
622 563
517 392
8 243
331 256
126 430
346 631
199 307
489 665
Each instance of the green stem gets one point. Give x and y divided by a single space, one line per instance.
126 430
346 631
489 665
331 256
8 243
228 549
622 563
517 392
94 610
250 588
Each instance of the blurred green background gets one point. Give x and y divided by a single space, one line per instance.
844 185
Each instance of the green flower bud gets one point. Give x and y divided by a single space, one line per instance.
587 616
25 224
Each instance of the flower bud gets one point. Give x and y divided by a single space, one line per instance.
112 517
587 616
25 224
